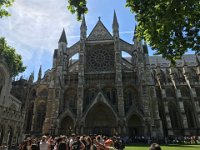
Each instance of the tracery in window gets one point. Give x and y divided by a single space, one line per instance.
100 58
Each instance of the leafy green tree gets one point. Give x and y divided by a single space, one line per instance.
3 5
170 27
13 59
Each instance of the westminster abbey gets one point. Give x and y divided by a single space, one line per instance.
102 92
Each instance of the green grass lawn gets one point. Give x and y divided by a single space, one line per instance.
170 147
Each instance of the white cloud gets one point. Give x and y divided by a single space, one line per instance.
35 27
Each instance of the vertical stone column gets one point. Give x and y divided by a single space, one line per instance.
80 92
118 79
182 109
34 117
166 109
49 111
196 105
157 121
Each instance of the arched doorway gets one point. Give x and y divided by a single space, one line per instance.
67 126
100 120
135 126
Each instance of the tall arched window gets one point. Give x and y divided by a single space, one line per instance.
70 100
170 92
185 92
30 115
130 98
189 111
197 89
41 113
33 94
110 93
43 93
173 115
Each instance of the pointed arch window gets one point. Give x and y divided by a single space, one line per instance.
173 115
170 92
43 93
41 113
185 92
30 115
190 115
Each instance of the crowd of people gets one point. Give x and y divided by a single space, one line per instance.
96 142
73 142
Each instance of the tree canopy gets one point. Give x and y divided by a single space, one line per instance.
13 60
170 27
3 5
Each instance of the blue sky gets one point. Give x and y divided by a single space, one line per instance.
36 25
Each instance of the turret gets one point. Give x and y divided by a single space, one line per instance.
62 43
83 28
145 50
40 74
31 78
115 26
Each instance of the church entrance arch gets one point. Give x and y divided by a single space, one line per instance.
66 126
135 126
100 120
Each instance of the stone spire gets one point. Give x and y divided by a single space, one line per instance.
115 27
135 32
40 73
145 48
115 24
63 37
83 28
31 77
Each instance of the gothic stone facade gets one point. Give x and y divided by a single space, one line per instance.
102 92
11 112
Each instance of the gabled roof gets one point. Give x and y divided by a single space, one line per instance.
99 32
